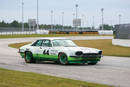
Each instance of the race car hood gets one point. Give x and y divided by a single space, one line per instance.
83 49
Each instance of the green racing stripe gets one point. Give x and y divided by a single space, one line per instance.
45 57
55 58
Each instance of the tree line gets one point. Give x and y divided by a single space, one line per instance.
14 24
17 24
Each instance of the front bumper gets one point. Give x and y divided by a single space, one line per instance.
84 58
22 54
87 56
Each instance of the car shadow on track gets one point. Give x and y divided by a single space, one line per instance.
55 63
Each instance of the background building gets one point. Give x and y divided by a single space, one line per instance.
122 31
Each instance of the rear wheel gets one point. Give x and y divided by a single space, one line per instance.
63 59
29 58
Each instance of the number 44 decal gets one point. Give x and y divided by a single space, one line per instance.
46 52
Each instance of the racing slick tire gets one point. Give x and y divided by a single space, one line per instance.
29 58
63 59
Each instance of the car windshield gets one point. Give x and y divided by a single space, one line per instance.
63 42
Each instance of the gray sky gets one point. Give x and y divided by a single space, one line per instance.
11 10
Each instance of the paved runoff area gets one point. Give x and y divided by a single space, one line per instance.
110 70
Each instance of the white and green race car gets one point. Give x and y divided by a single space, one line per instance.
61 50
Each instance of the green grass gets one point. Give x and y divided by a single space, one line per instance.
18 45
105 45
48 35
11 78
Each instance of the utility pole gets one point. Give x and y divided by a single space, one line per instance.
22 16
37 14
102 19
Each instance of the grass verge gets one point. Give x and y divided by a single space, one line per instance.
11 78
46 35
105 45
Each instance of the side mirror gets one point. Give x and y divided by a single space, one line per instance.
40 47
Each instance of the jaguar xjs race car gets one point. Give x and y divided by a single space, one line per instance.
61 50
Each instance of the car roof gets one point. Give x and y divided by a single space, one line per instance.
53 38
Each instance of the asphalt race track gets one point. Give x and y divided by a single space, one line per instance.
111 70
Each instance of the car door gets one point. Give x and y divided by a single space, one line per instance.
36 48
56 48
45 50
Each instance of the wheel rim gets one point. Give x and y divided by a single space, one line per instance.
63 59
28 57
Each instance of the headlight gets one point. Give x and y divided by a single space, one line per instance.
78 53
21 50
100 52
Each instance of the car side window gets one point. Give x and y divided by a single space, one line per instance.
55 43
46 43
37 43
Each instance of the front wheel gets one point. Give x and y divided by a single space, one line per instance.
29 58
63 59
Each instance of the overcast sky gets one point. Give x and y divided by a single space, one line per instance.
11 10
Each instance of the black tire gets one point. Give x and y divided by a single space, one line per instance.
63 59
92 63
29 58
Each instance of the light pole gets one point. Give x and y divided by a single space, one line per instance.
73 16
37 14
93 26
111 24
119 19
82 20
62 20
51 20
76 15
102 19
76 10
22 16
73 20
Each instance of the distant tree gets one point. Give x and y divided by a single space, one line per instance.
58 26
26 25
3 24
106 27
44 26
67 27
14 24
41 26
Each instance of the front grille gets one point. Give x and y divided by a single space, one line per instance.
91 55
85 54
88 55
